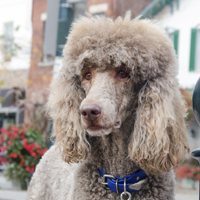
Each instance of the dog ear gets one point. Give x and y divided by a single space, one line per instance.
63 106
159 139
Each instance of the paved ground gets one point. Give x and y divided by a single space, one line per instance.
8 191
186 194
187 197
21 195
12 195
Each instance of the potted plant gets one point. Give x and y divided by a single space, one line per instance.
22 148
189 175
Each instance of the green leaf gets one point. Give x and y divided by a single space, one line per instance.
5 138
17 28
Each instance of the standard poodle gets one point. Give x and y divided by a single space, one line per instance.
118 115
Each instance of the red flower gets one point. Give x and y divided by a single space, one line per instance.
1 139
33 154
25 142
11 136
33 145
22 136
9 143
190 175
13 155
44 151
3 148
3 130
21 164
30 148
15 132
30 169
3 160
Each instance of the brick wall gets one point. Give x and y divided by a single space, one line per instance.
109 12
39 77
119 7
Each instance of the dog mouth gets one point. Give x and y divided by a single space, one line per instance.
94 127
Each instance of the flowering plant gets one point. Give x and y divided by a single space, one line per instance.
187 93
186 171
22 148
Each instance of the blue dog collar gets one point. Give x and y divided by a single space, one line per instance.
121 185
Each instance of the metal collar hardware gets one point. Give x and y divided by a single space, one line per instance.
124 185
107 176
125 192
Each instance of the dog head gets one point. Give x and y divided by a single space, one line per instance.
114 70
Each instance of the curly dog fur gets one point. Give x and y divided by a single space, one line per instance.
142 114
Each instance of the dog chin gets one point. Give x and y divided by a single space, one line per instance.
100 132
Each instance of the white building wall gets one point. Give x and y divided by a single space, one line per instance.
19 12
184 19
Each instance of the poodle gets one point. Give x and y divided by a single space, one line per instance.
119 117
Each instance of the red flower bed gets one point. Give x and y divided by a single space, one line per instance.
187 171
22 148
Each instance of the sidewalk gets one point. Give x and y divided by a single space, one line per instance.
21 195
12 195
8 191
186 197
186 194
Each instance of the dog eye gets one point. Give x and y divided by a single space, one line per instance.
122 74
88 76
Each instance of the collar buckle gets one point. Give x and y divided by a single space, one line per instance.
107 176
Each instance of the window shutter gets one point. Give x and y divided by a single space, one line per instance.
51 25
192 49
176 37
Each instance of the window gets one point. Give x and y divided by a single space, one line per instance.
100 15
8 34
98 9
66 16
174 36
195 50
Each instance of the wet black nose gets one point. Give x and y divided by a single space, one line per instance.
90 112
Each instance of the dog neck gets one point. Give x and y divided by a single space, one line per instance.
110 153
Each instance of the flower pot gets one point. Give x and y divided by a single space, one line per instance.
190 183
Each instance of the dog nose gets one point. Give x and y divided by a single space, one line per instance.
90 112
